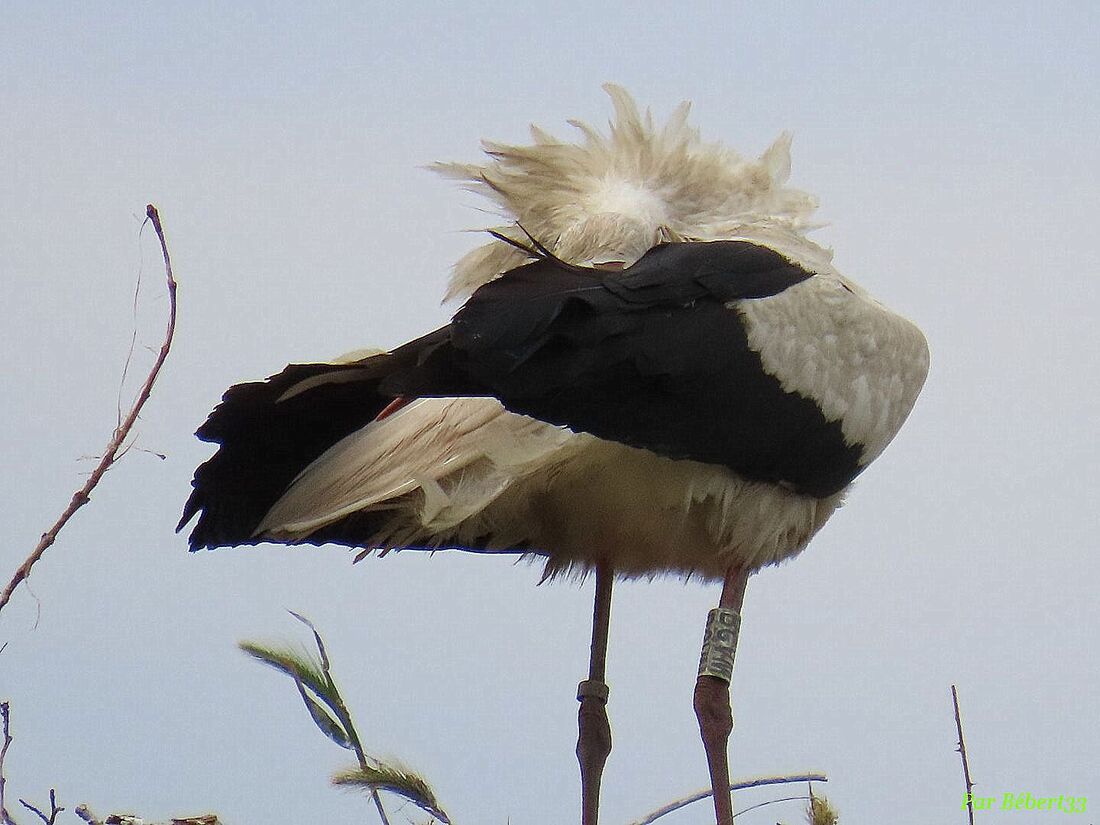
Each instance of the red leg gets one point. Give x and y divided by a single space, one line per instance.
594 739
712 689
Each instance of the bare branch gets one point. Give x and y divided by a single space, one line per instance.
85 813
118 438
962 752
54 809
5 818
754 782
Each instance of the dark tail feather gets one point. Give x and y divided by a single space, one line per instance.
269 431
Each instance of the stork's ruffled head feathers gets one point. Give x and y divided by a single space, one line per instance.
612 197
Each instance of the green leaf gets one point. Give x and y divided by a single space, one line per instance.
395 779
298 665
316 637
321 717
307 674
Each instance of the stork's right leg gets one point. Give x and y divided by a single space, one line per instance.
712 689
594 739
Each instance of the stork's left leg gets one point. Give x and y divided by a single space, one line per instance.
712 689
594 739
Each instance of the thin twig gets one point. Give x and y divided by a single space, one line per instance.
110 454
754 782
767 802
962 752
54 809
5 818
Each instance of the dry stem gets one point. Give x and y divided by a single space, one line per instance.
5 819
118 438
55 809
962 753
736 786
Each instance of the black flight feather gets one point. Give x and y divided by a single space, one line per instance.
654 356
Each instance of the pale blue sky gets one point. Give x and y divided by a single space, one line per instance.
953 147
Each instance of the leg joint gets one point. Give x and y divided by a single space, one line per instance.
592 688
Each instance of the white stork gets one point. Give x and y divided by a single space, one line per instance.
655 371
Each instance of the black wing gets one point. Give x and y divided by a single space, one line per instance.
652 357
269 431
